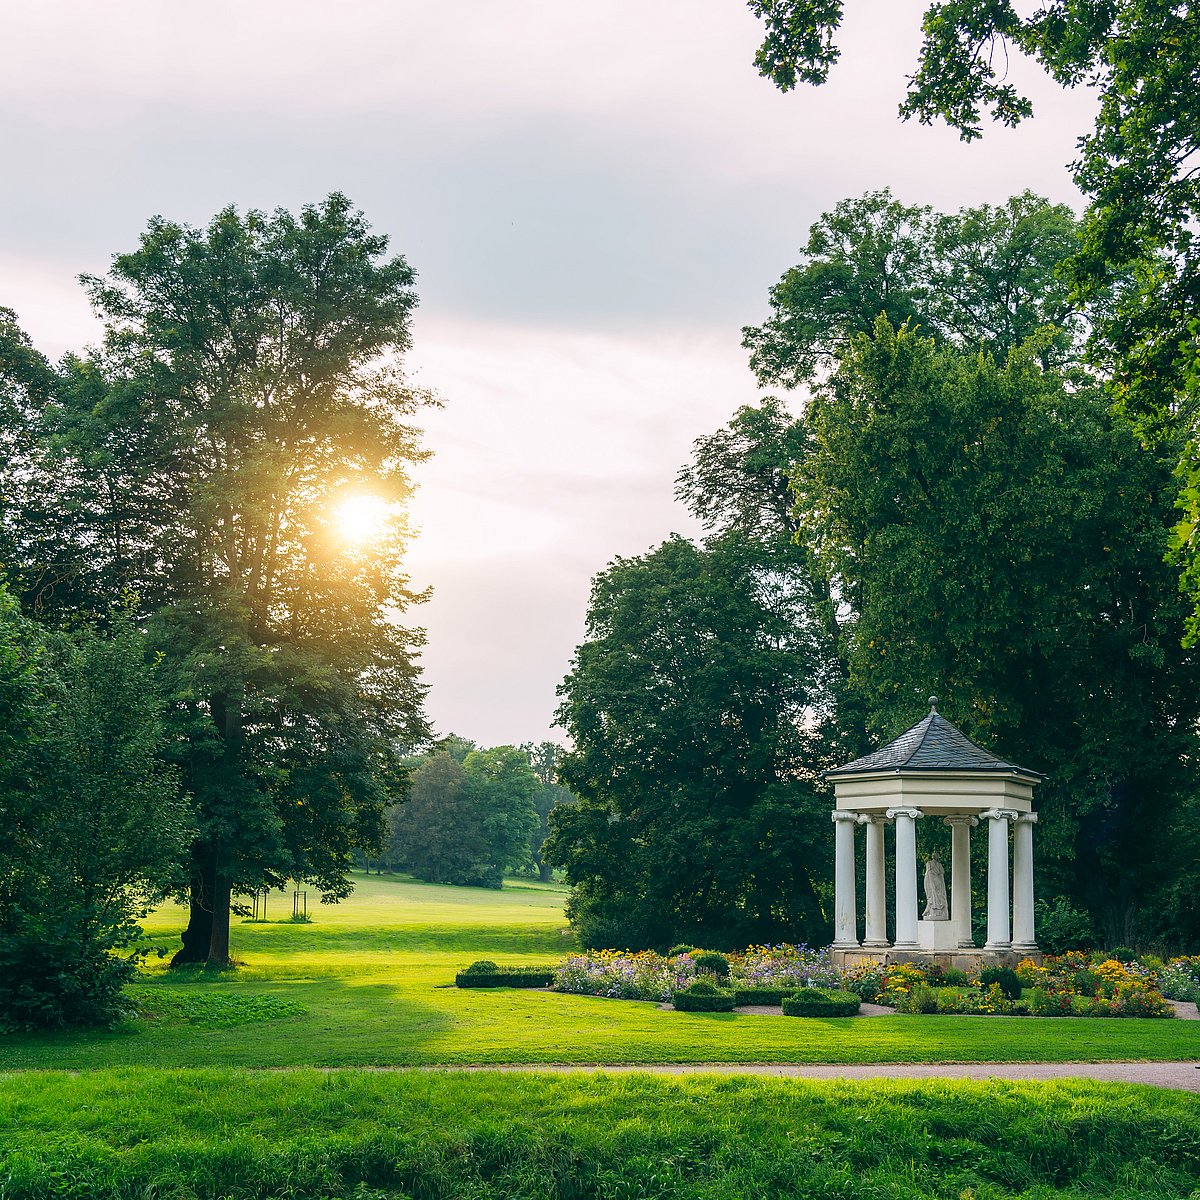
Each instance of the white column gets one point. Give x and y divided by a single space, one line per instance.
960 877
906 876
1023 883
998 935
845 905
876 884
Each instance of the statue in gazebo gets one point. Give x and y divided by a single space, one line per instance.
936 908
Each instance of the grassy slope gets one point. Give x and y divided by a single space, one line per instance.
370 976
310 1135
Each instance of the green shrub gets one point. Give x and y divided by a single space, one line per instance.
1062 927
485 974
1123 954
953 977
762 995
1005 978
712 962
920 999
676 951
950 1000
1085 982
703 996
1050 1004
820 1002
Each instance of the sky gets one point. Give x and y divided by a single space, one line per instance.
596 198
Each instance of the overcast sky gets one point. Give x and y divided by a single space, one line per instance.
596 198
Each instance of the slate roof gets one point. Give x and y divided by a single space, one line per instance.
931 745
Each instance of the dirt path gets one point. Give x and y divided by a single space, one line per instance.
1184 1076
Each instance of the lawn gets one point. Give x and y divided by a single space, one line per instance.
367 983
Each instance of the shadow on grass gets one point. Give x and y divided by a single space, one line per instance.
338 1023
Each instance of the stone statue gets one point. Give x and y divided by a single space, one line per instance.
935 890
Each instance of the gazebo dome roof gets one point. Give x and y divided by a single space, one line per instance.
933 744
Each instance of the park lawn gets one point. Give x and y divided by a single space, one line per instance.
310 1135
368 984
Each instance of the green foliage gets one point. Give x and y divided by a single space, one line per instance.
488 975
1137 267
1062 927
919 999
703 996
692 764
711 962
982 278
1005 978
1044 610
466 823
1123 954
953 977
761 995
821 1002
246 384
94 822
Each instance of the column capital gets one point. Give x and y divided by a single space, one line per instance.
915 813
874 819
969 822
1001 814
1029 818
841 815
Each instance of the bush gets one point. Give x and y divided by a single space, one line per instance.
513 977
682 948
1085 982
703 996
1050 1004
481 966
1005 978
920 999
54 979
821 1002
761 995
953 977
712 962
1123 954
1062 927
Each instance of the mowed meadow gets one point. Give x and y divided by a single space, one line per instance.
171 1105
369 982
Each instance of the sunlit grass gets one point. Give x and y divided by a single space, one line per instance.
369 982
310 1135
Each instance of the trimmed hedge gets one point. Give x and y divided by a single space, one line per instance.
762 995
703 1001
513 977
819 1002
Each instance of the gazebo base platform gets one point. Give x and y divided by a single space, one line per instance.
963 958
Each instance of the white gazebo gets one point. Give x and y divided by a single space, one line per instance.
934 770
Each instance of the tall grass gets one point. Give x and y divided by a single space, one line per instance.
304 1135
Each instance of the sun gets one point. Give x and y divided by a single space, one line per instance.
361 519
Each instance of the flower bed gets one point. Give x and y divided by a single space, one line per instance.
1075 984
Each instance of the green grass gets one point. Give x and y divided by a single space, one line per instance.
310 1135
368 983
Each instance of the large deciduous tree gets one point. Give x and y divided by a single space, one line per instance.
467 822
693 767
981 278
999 538
1137 167
249 382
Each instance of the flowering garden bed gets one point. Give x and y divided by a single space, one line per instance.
1076 984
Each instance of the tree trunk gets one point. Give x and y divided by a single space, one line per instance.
227 716
198 934
218 945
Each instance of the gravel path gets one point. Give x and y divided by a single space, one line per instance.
1183 1076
